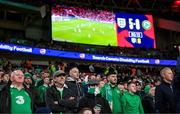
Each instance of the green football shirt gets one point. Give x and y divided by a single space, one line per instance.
20 101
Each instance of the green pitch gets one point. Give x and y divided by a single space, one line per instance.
84 31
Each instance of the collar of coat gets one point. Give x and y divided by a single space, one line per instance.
19 88
72 79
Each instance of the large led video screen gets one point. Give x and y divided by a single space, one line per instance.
101 27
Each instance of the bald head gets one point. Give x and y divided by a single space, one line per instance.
17 76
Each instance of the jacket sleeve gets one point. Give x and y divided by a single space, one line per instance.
51 103
158 100
67 103
103 92
107 108
123 100
82 103
141 110
36 98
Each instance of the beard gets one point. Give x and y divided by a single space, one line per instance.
113 82
58 84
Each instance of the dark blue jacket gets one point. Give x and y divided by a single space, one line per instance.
164 98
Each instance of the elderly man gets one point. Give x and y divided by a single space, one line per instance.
16 98
73 80
164 95
74 83
59 98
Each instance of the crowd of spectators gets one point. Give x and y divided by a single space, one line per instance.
134 83
85 13
88 88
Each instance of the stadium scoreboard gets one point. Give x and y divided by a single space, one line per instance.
100 27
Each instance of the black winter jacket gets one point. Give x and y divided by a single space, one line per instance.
58 104
5 99
148 103
164 98
90 101
77 90
75 87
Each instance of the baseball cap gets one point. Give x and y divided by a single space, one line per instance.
59 73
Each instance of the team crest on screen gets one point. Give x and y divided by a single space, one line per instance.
157 61
121 22
133 23
146 24
82 55
42 51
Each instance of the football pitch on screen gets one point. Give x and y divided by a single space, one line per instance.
84 31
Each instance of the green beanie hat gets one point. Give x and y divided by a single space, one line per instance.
147 89
21 68
27 74
38 70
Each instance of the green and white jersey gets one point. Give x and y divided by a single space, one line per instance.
20 101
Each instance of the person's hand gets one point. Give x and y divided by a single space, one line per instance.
71 98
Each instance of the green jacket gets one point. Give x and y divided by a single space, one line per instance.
42 91
131 104
113 96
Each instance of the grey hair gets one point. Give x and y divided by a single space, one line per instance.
163 70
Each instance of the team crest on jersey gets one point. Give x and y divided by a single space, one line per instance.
20 100
118 91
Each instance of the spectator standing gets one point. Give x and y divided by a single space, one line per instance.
16 98
43 75
148 101
59 98
42 90
29 84
28 81
164 95
5 78
74 83
131 103
111 92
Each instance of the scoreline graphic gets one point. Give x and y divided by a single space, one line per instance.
135 30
